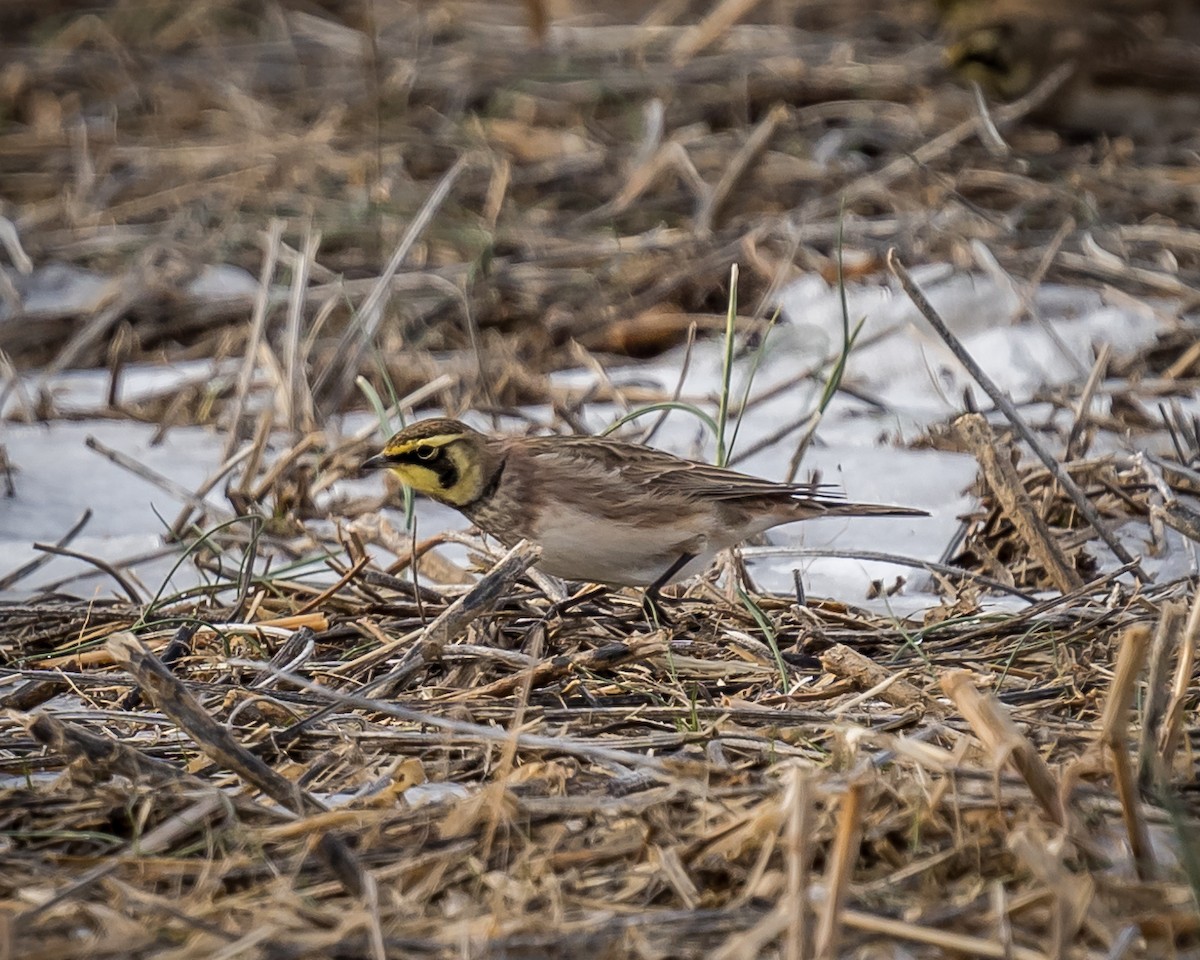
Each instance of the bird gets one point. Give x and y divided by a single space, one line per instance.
602 511
1135 63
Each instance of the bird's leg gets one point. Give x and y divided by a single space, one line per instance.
650 599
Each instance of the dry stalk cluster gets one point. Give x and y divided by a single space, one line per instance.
382 770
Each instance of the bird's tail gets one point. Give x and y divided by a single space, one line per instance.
867 510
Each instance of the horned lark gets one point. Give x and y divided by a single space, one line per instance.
1136 64
602 511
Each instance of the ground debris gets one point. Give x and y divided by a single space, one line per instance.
535 781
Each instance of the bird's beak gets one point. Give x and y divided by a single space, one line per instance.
377 462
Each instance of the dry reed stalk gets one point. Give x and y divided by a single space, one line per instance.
152 476
478 601
1114 734
406 404
127 585
723 16
798 852
120 348
298 403
712 199
876 680
9 580
670 157
158 840
239 492
937 147
1161 283
31 694
333 589
333 384
842 857
995 460
283 463
124 294
258 326
945 940
1072 450
990 721
668 771
380 654
1036 278
1073 892
295 652
1167 639
1001 400
104 757
1171 731
197 498
636 649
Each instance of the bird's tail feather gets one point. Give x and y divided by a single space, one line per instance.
868 510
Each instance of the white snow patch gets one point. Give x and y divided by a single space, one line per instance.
902 377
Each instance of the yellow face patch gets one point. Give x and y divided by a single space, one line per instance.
445 467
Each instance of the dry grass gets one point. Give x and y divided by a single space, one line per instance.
388 763
537 783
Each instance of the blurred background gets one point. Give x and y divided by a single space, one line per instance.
611 165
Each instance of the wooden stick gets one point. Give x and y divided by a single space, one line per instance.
992 723
996 463
172 697
1114 734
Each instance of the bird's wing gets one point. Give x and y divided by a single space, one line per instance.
654 469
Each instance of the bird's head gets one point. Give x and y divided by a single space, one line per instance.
443 459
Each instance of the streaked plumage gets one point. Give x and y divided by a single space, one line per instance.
603 511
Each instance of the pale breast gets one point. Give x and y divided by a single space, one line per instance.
578 545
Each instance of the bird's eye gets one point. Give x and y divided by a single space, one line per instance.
426 452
